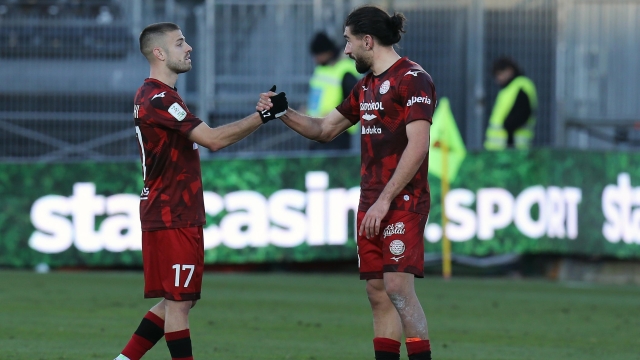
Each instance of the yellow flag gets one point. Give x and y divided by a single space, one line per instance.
444 132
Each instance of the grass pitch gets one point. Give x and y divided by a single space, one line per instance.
91 315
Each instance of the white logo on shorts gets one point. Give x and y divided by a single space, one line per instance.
397 258
397 228
396 247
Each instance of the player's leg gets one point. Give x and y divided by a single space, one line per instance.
401 291
403 257
148 333
176 328
151 328
387 328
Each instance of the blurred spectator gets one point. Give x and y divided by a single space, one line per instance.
331 83
512 120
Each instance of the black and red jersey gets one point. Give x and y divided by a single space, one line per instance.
172 194
384 105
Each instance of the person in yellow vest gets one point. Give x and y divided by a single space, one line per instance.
333 78
513 117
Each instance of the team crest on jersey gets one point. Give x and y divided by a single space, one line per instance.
396 247
385 87
397 228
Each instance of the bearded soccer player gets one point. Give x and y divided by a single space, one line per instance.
171 202
395 104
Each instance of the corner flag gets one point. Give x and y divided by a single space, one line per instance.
445 134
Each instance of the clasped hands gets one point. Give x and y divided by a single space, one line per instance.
272 105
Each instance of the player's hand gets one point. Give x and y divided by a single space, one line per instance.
272 105
370 224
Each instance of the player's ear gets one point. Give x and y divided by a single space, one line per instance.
158 53
368 42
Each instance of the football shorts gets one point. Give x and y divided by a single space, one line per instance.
399 247
173 261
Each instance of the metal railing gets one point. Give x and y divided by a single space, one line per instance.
70 73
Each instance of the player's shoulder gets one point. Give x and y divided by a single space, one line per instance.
410 70
155 93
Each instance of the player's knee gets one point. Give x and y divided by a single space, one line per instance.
395 288
375 291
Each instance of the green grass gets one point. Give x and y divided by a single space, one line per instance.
91 315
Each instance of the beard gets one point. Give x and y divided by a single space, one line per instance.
362 65
178 67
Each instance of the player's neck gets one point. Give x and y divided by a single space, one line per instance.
164 75
383 59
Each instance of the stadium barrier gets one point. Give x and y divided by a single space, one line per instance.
302 209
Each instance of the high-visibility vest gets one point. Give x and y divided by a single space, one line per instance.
496 136
325 87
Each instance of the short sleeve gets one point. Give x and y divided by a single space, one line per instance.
350 107
419 95
172 113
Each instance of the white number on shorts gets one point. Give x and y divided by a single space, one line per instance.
184 267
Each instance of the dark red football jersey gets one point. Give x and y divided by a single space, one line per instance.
172 194
384 105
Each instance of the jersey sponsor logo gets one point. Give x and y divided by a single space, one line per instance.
368 117
144 195
397 258
385 87
418 99
177 111
371 106
369 130
414 73
396 247
136 109
394 229
364 88
158 95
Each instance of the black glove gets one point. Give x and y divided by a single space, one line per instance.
280 106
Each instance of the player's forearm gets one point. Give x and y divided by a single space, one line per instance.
408 166
229 134
304 125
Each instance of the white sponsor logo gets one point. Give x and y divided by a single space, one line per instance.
396 258
396 247
414 73
368 130
406 198
418 99
144 195
158 95
369 117
621 209
480 214
364 88
385 87
90 222
371 106
177 111
397 228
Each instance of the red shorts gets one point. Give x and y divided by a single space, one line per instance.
399 247
173 261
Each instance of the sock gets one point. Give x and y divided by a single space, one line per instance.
179 343
418 349
150 330
386 349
